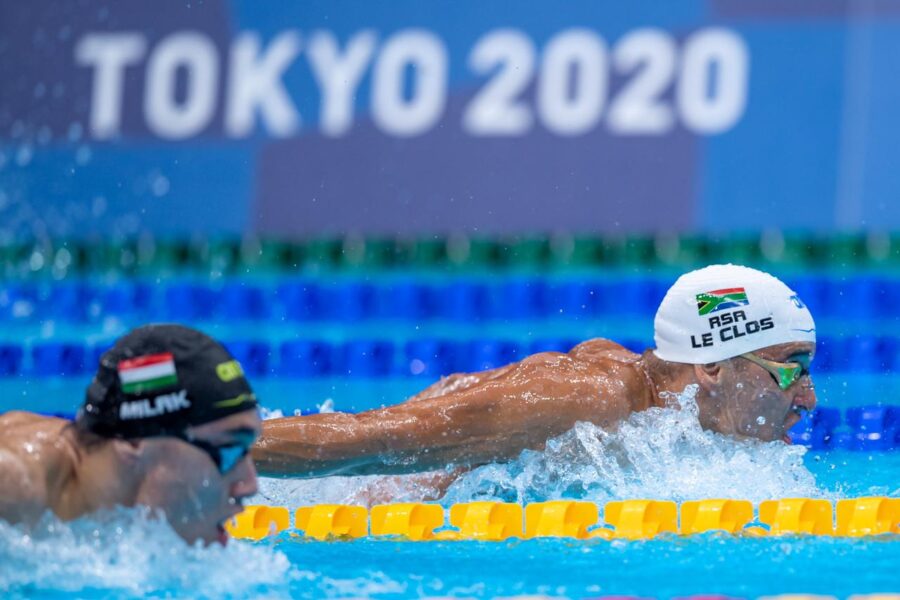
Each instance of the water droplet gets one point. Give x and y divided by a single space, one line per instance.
760 420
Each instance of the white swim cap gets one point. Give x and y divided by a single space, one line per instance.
722 311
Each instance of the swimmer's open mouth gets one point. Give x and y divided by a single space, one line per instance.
792 418
220 526
222 534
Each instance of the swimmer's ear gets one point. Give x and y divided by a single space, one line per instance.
709 375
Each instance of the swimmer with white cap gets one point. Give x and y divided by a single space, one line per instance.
740 335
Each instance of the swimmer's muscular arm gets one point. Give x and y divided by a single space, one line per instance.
474 420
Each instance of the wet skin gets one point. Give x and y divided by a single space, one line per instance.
471 419
43 466
746 402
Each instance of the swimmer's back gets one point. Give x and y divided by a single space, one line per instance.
600 349
32 456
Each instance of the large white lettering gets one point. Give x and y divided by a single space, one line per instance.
108 54
338 76
424 55
196 55
406 78
254 83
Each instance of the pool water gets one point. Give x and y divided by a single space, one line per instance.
661 453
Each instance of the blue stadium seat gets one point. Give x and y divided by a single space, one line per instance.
368 358
429 357
10 360
118 299
632 297
58 359
874 427
95 352
301 300
68 302
307 358
575 299
864 353
254 356
490 354
518 299
831 355
239 301
189 302
885 292
463 301
843 440
851 299
812 291
406 299
18 301
350 301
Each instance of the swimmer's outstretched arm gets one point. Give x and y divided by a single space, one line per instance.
485 420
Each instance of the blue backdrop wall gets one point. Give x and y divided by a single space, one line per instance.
320 117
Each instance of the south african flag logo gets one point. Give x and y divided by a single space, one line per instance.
716 300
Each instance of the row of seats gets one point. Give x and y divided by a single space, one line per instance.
428 358
346 301
624 519
240 255
425 357
469 299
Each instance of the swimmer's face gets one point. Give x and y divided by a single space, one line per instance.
743 399
186 484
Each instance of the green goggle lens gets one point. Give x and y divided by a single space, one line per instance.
787 373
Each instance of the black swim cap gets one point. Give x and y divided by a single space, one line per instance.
161 379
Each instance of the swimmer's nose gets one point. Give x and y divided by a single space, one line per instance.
806 396
245 483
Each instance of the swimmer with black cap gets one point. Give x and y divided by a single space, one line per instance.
167 423
740 335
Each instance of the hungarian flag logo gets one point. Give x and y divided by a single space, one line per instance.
147 373
716 300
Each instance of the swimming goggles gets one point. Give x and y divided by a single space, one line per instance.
787 373
226 456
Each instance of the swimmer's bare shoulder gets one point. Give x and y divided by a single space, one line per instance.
31 458
465 419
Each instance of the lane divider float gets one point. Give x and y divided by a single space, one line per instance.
622 519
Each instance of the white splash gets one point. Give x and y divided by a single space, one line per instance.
126 552
660 453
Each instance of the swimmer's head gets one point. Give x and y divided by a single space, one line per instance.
747 339
178 408
723 311
160 379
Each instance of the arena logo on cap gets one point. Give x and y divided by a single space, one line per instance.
716 300
147 373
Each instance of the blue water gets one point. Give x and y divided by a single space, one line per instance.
658 454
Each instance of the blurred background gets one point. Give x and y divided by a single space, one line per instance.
358 197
